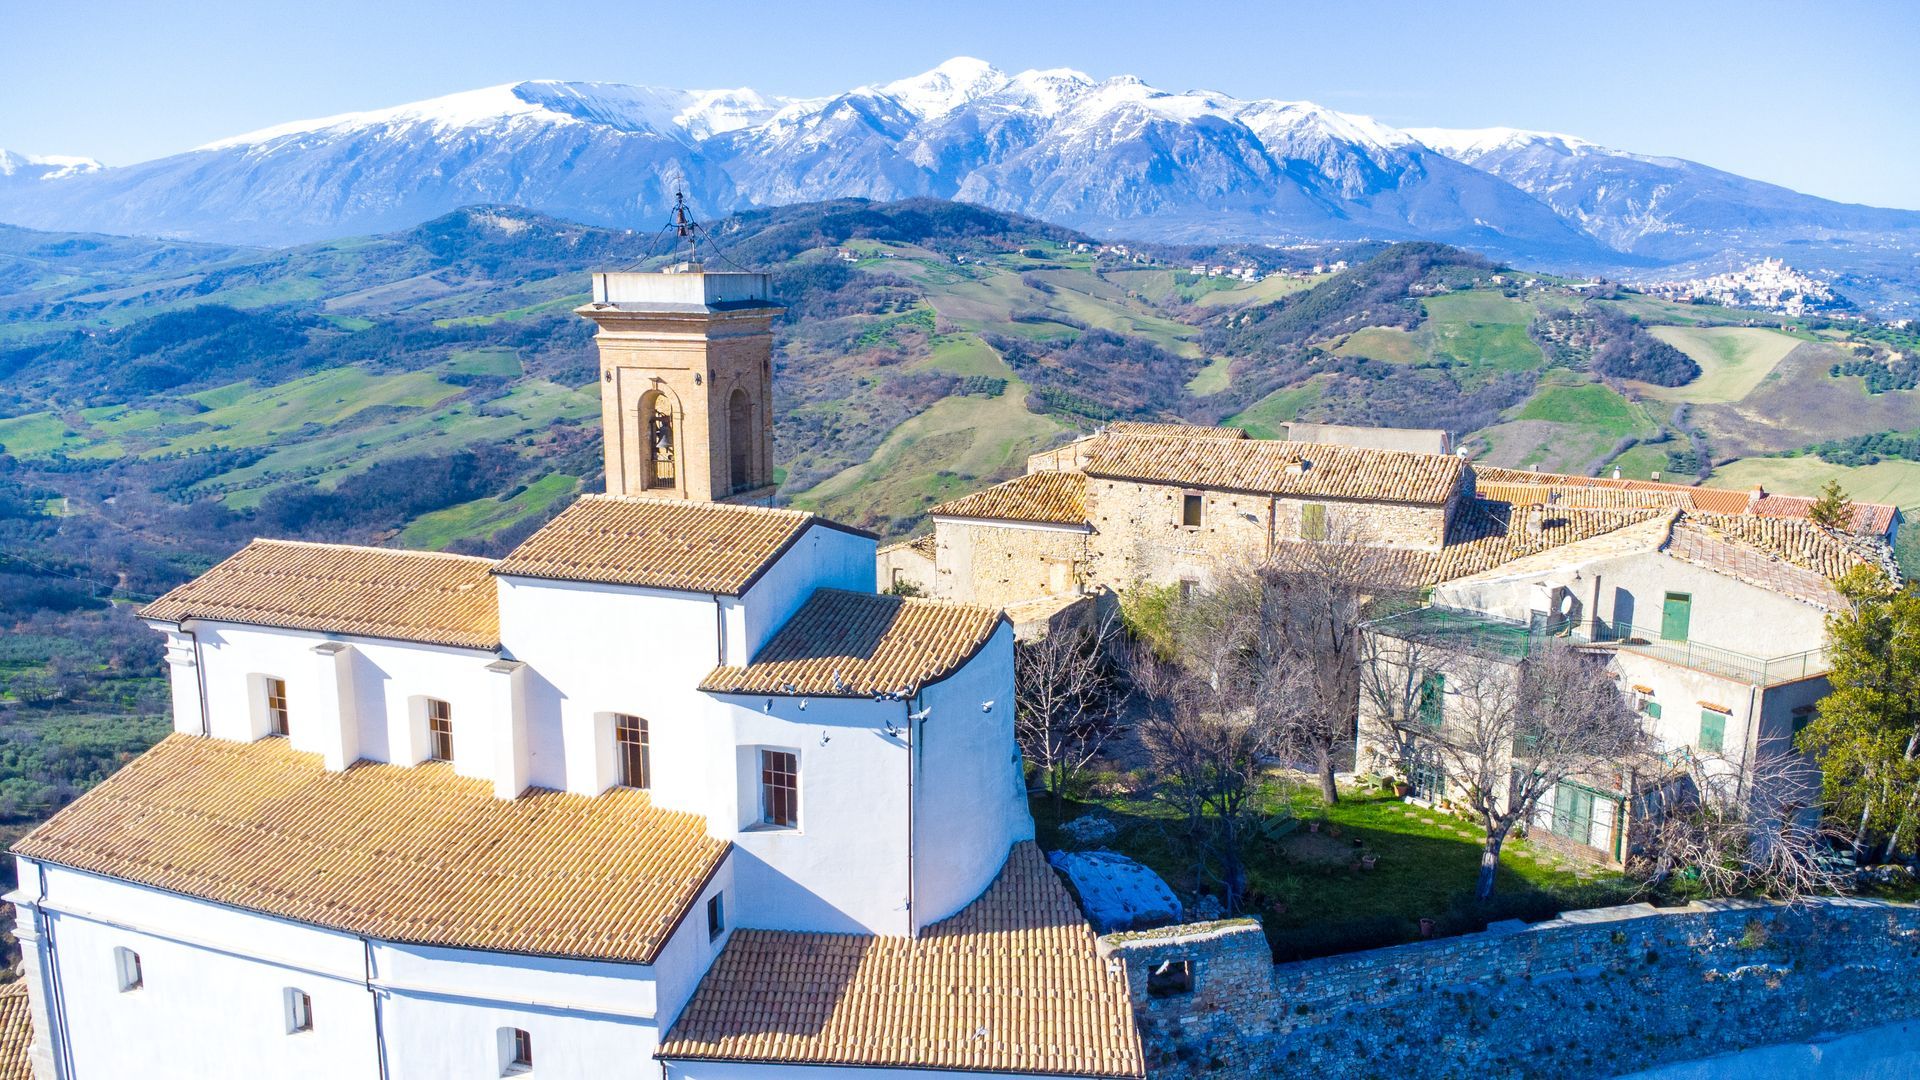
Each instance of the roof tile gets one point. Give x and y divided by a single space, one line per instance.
416 855
1296 469
374 592
1013 983
1052 497
849 644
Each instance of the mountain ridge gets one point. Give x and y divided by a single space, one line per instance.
1113 157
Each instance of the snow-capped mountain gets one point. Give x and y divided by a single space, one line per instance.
1664 207
1111 156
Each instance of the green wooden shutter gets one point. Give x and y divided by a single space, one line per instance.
1675 616
1313 522
1713 730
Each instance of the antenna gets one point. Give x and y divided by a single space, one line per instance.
685 227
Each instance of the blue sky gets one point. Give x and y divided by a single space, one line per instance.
1823 98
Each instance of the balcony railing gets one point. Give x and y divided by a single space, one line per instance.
1478 632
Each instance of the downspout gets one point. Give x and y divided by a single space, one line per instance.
379 1025
719 632
913 756
57 1007
1273 526
200 679
1752 747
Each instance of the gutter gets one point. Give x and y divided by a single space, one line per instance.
200 677
379 1022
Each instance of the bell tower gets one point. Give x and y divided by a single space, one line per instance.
686 382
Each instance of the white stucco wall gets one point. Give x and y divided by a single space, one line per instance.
737 1070
970 801
215 981
821 558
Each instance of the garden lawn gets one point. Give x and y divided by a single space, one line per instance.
1312 900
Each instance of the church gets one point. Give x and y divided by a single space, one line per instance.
669 790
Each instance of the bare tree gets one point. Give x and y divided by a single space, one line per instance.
1068 692
1508 731
1207 730
1732 831
1308 602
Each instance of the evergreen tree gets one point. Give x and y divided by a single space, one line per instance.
1832 509
1867 733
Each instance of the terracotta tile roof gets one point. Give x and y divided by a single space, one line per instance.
1520 485
1872 519
1795 541
659 543
16 1032
1010 984
1267 466
1484 535
415 855
1598 498
1190 431
920 545
849 644
1055 497
374 592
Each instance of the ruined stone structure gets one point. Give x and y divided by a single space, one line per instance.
1557 998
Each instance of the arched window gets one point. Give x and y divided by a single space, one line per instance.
740 439
656 419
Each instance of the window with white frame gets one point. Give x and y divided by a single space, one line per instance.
439 730
633 751
274 694
779 789
516 1051
299 1011
126 966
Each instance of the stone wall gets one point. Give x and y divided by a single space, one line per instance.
1592 994
1000 564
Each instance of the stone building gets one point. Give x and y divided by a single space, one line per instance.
668 790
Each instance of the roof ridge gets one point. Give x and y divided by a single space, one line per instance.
655 500
916 601
373 548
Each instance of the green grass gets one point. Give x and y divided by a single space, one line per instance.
562 303
265 417
1641 462
1590 405
1268 417
1488 345
1896 482
1428 865
1478 306
37 435
502 362
1388 344
1733 360
1215 377
483 517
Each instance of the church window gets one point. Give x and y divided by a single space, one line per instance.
299 1011
634 753
716 915
656 413
516 1051
126 964
779 788
276 692
439 730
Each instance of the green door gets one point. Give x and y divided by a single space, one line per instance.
1675 616
1713 731
1573 813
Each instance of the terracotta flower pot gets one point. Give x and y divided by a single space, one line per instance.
1426 927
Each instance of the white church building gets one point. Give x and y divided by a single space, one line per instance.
667 791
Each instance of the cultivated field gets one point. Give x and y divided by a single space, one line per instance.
1733 360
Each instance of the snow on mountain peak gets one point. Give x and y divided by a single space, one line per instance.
1469 144
49 166
946 87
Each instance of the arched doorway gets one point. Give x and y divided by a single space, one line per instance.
740 439
656 425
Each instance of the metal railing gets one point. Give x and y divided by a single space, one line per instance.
1510 638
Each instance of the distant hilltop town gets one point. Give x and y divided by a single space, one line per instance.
1769 285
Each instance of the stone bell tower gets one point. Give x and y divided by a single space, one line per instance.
686 382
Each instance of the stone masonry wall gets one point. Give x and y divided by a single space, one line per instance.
1001 565
1592 994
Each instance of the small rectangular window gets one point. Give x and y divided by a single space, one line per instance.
635 754
299 1011
1713 730
439 730
1433 696
1313 522
1188 587
779 788
716 915
1169 978
126 965
1191 508
276 706
1647 706
519 1053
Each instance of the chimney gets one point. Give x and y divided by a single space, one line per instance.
1616 472
1536 519
1656 474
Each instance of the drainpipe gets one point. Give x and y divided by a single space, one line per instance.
59 1049
719 632
379 1026
913 764
200 679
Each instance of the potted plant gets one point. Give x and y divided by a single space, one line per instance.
1401 788
1426 927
